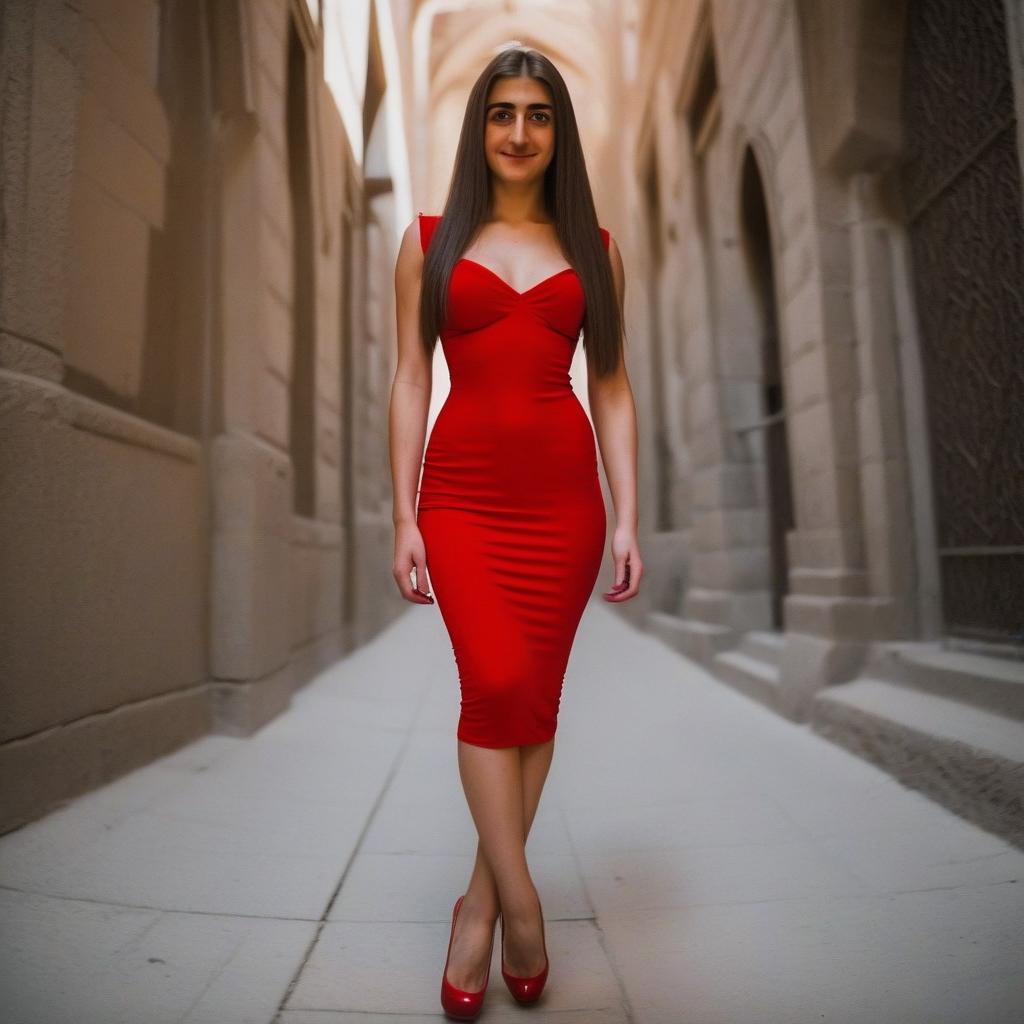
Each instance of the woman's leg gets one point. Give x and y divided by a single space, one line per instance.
503 788
524 950
535 762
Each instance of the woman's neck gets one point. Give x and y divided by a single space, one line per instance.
519 206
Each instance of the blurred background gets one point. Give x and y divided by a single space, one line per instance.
819 207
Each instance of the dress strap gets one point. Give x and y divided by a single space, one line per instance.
427 224
605 235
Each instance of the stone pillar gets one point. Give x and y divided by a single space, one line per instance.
249 464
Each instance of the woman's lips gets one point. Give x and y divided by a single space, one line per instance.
517 156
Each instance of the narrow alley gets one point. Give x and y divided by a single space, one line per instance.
788 776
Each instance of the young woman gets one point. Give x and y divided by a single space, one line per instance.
510 521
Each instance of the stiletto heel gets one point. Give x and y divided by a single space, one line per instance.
525 990
457 1002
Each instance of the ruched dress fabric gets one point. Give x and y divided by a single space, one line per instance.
510 504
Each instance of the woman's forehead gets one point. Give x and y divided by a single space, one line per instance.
519 90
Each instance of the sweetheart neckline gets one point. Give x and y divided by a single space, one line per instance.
501 280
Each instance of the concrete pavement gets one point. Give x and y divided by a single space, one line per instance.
700 861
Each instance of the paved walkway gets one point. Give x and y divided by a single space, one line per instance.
700 861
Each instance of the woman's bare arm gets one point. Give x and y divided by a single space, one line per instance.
407 416
614 413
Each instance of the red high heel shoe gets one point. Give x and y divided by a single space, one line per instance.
457 1002
525 990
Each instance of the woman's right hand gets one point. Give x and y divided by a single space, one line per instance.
411 553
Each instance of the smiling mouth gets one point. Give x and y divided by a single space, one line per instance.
517 156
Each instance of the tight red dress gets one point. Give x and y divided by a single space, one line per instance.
510 504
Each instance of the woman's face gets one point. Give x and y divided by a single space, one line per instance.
519 137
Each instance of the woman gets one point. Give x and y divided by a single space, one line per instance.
511 519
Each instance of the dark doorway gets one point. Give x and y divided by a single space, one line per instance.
302 426
758 251
654 214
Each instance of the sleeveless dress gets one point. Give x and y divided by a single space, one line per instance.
510 504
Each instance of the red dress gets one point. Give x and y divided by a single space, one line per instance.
510 504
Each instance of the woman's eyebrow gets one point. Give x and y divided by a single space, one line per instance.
511 106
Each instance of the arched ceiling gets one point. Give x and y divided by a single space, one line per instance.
452 40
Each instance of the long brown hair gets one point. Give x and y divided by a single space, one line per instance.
567 197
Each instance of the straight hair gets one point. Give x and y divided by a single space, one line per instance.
567 197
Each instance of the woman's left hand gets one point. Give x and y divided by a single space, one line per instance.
628 566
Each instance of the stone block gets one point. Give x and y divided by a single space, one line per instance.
251 545
706 447
821 549
807 383
269 27
880 427
728 528
858 620
273 412
811 443
119 163
316 579
240 708
242 326
253 489
37 150
25 357
808 664
132 30
128 96
277 332
752 676
698 352
44 770
103 577
271 104
106 317
888 532
702 406
275 269
832 582
750 610
274 191
723 486
790 114
828 497
705 605
741 402
800 321
736 569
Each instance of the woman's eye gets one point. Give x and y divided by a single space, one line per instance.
502 115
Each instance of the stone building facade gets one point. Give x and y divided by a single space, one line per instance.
196 337
819 209
831 236
202 206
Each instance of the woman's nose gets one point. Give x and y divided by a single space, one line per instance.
519 130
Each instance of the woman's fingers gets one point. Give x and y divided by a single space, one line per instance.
627 574
422 583
621 577
411 591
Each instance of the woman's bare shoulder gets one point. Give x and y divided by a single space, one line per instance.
409 263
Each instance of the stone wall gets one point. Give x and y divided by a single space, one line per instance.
180 328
